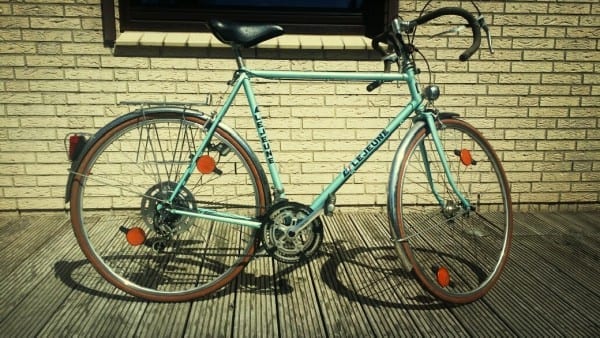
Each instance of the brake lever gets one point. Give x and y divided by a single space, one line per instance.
486 29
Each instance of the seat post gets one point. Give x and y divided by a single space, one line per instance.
238 56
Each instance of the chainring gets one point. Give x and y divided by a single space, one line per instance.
284 248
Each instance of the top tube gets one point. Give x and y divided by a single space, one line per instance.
408 77
310 75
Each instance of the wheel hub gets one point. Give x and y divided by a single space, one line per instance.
157 217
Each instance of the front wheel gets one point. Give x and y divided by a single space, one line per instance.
119 205
457 253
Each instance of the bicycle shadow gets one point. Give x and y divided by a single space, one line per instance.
336 273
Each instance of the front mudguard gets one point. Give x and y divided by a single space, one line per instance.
121 119
392 202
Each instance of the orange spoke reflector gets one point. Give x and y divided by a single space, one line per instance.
465 157
206 164
135 236
443 276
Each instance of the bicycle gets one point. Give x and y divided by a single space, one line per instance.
170 204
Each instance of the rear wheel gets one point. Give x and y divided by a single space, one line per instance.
119 199
457 254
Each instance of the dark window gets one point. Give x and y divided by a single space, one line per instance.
355 17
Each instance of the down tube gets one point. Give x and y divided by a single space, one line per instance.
364 155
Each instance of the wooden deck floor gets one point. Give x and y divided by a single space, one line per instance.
354 288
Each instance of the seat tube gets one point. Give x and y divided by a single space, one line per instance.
263 138
440 150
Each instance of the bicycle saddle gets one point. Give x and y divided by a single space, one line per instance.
243 34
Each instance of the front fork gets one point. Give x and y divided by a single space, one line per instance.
428 120
431 124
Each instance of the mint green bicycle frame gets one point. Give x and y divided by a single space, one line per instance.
243 78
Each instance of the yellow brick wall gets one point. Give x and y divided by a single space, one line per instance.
537 99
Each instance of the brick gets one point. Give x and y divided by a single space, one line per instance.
12 60
561 78
12 169
82 10
578 197
526 7
537 197
50 61
89 74
174 63
13 47
8 203
53 86
544 55
583 44
550 90
528 67
55 23
533 43
557 20
24 98
556 145
526 134
14 22
519 78
588 145
84 48
554 101
569 8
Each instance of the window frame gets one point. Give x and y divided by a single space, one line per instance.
368 22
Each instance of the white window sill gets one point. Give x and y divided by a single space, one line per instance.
207 40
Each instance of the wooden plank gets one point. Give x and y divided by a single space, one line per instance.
255 308
213 316
33 233
298 307
174 317
342 316
11 227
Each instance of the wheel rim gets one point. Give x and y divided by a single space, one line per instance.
197 256
457 255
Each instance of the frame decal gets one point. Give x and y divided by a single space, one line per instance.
366 153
